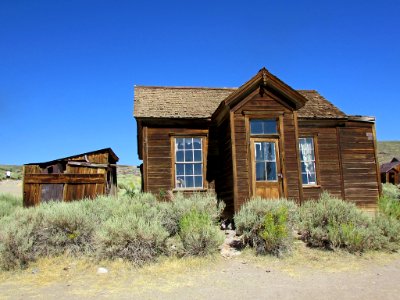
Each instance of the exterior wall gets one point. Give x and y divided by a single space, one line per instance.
267 106
361 179
158 169
328 161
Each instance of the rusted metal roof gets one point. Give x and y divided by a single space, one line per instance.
196 102
390 165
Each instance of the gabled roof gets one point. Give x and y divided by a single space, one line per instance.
197 102
390 165
109 150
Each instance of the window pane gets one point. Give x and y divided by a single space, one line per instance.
271 171
259 151
180 182
256 127
197 155
303 167
188 143
188 169
188 155
263 126
198 181
180 170
311 178
179 156
304 178
189 181
197 143
269 151
197 169
179 144
260 171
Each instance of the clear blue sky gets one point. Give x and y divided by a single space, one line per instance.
67 68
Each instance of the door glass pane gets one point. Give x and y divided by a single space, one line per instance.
259 151
260 171
265 154
271 171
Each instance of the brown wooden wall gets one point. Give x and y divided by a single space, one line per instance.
360 176
328 161
270 106
157 157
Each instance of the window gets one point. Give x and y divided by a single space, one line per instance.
307 159
263 126
188 163
265 161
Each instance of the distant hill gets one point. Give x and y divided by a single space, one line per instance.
388 150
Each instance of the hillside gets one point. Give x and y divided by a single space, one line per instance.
387 150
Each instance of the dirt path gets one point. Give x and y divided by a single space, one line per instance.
309 274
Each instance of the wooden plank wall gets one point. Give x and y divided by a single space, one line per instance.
361 183
224 169
328 164
270 106
158 158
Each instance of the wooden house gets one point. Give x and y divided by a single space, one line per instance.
261 139
85 175
390 172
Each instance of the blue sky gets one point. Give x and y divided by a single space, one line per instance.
67 68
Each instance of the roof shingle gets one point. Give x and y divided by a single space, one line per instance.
188 102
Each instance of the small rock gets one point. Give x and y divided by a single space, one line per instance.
66 268
268 271
35 271
102 271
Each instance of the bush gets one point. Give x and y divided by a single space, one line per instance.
390 191
332 223
267 225
172 212
198 234
131 237
8 204
137 228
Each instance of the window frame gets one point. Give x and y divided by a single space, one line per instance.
203 139
264 118
316 161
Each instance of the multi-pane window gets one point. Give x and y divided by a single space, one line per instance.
307 159
188 162
263 126
265 161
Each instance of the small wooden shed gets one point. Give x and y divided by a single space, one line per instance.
390 171
85 175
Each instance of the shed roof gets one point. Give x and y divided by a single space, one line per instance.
109 150
198 102
390 165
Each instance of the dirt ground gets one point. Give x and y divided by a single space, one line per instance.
307 274
13 187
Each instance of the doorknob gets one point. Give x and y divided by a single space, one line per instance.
280 175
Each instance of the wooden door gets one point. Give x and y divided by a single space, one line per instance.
266 168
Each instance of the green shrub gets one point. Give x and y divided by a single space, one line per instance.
267 225
390 191
131 237
332 223
9 203
389 207
198 234
172 212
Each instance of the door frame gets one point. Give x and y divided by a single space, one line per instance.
279 171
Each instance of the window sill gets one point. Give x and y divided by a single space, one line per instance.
190 190
311 186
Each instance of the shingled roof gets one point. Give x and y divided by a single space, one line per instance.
191 102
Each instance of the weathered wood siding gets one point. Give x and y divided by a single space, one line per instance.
269 106
327 161
158 157
360 178
223 167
